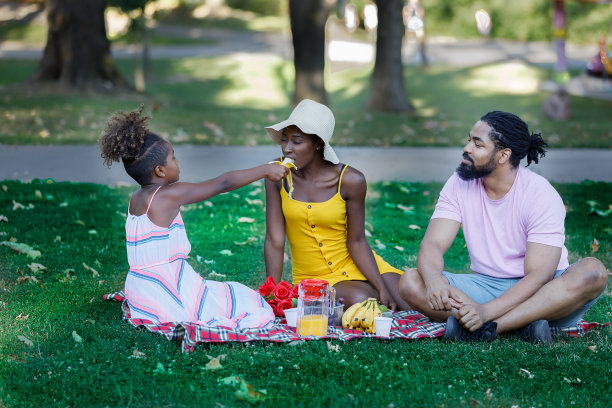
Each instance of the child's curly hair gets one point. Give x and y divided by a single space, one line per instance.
128 139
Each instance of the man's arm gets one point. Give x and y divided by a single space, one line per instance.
540 266
439 236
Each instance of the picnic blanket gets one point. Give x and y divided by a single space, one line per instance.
407 324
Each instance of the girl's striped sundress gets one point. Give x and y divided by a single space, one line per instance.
162 287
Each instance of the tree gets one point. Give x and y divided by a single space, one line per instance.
387 84
308 18
77 53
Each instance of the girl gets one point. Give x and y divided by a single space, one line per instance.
161 286
322 214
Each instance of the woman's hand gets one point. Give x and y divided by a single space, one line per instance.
386 299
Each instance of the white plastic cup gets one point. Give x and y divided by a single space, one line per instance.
291 316
382 325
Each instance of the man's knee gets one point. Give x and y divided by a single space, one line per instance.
594 276
409 285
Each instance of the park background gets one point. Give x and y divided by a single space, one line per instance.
216 74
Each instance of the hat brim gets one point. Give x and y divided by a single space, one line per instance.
275 133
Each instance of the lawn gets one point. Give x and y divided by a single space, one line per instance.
228 100
79 231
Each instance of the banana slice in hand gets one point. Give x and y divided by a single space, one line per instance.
288 163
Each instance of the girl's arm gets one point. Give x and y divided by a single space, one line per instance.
171 197
274 245
353 190
188 193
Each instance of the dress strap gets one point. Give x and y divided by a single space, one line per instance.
344 166
150 201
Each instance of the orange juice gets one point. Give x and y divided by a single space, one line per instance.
312 325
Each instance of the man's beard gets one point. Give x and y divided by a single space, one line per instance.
470 171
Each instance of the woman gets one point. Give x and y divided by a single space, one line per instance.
321 211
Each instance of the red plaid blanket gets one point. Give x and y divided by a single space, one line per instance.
407 324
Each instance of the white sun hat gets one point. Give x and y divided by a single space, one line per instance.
312 118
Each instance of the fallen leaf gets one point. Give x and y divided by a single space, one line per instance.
255 192
44 133
3 218
27 278
137 354
80 222
399 248
208 203
593 348
36 267
22 248
246 219
526 373
409 210
92 232
368 233
213 364
38 194
226 252
231 380
414 227
64 204
379 245
253 202
25 340
331 347
95 273
76 337
248 241
246 392
214 274
17 206
594 246
5 188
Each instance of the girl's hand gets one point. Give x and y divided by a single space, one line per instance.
276 172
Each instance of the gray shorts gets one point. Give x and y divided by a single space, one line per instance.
483 289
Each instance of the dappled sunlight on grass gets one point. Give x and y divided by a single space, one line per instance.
254 83
514 78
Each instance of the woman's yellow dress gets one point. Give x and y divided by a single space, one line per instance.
317 237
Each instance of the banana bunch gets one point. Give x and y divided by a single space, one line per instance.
361 316
288 163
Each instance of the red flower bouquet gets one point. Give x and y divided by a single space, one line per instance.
280 297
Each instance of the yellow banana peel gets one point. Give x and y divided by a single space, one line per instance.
288 163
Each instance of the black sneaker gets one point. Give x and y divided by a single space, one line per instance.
456 332
536 332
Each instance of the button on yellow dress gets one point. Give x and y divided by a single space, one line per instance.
317 238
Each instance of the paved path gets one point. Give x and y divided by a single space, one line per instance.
83 163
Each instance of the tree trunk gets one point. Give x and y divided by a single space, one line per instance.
387 84
77 53
308 18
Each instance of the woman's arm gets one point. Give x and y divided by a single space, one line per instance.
274 245
353 191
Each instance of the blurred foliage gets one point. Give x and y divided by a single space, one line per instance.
524 20
264 7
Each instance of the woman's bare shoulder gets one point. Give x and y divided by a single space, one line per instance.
353 177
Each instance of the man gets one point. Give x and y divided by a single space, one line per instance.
513 223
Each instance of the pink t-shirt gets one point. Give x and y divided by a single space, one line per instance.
497 231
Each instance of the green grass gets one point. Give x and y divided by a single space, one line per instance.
228 100
56 371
